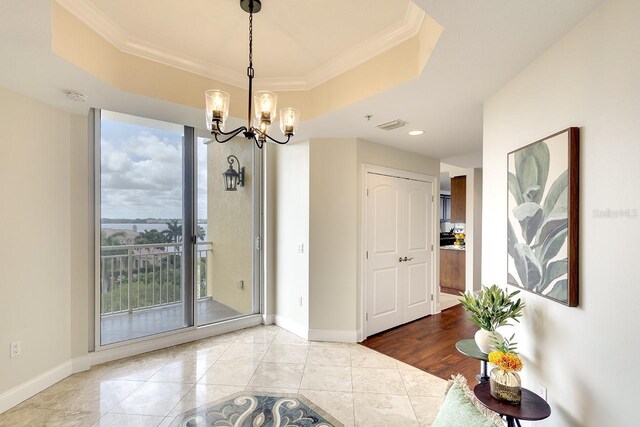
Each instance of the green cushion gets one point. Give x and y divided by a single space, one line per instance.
460 408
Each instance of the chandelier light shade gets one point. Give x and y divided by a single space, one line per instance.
262 105
289 120
266 103
217 104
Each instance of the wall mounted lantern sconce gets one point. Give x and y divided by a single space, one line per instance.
233 178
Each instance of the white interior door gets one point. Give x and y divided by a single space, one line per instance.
417 268
398 264
384 287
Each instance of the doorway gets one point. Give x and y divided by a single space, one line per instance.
399 232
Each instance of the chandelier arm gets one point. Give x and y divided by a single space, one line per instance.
233 132
279 142
258 143
230 135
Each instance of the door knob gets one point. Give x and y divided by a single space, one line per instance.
400 259
405 259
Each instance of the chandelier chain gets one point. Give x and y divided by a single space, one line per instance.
251 43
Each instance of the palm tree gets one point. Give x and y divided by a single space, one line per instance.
173 231
150 236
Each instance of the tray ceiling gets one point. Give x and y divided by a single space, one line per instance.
298 44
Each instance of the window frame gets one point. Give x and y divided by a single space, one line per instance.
190 186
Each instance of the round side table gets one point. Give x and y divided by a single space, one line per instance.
470 349
531 408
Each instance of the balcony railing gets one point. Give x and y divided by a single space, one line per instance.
137 277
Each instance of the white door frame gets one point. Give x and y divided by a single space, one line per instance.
395 173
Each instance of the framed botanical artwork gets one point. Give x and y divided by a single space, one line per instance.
542 217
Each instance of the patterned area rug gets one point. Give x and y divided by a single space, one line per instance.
256 409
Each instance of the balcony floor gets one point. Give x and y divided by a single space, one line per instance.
125 326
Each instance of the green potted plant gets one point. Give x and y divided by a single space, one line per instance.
491 308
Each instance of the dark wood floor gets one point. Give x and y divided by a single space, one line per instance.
429 344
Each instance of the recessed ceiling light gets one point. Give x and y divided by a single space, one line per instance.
416 132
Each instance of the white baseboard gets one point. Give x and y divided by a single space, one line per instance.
333 335
35 385
292 326
80 364
318 334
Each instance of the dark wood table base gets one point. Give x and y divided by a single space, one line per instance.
531 408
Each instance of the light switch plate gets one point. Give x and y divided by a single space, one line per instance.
541 391
16 349
301 248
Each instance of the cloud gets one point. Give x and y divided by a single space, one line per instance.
141 174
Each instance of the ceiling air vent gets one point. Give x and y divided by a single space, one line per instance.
394 124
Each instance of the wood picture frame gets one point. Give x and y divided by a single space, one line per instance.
543 197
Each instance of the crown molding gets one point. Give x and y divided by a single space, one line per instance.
370 48
110 31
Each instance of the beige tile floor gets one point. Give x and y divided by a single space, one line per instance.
354 384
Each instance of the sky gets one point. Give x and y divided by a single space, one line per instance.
141 169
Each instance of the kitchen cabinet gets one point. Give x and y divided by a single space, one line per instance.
445 208
452 270
459 199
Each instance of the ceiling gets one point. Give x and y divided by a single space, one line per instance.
483 46
293 46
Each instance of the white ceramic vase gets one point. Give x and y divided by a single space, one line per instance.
487 340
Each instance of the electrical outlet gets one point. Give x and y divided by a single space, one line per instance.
300 301
16 349
541 391
301 248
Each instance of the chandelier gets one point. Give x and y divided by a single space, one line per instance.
217 103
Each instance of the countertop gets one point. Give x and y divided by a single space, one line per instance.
453 248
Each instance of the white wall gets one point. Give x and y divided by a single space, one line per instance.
585 356
291 200
35 261
332 237
46 263
321 178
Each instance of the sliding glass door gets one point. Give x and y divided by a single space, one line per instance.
176 250
226 217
